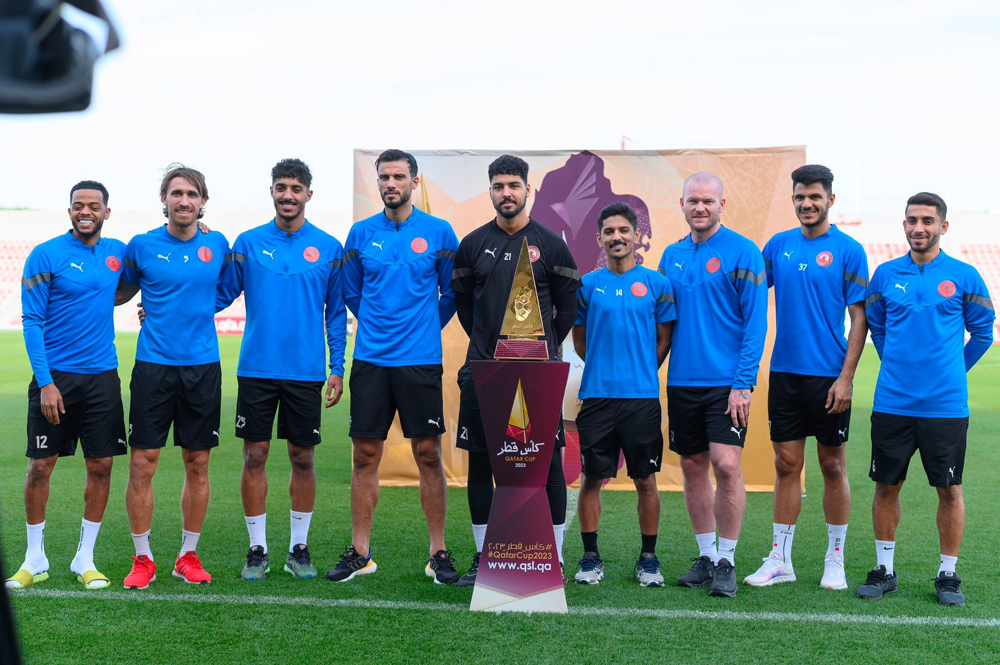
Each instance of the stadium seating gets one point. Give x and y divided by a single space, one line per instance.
880 252
986 258
13 254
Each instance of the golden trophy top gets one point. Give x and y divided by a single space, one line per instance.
522 322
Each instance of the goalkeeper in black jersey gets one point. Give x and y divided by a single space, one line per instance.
482 278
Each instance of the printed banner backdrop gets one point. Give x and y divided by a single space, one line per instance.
568 190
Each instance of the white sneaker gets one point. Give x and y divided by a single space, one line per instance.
590 570
773 571
833 573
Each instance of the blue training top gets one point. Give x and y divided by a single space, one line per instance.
393 274
292 291
620 313
67 306
178 279
721 292
918 315
814 281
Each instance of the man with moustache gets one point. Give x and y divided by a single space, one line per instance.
484 271
177 378
721 290
289 271
919 307
67 303
817 272
624 321
397 281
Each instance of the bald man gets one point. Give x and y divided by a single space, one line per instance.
720 287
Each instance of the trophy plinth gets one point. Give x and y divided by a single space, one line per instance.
522 332
521 349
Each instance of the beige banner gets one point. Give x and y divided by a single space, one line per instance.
569 189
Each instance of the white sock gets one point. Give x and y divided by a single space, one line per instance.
782 549
189 542
35 561
141 542
560 531
84 559
479 533
885 550
727 549
257 528
300 529
947 564
837 534
706 545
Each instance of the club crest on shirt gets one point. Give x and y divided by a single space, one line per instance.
419 245
113 263
713 265
823 259
946 288
311 254
205 254
639 289
533 253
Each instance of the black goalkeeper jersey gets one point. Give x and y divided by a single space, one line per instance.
483 274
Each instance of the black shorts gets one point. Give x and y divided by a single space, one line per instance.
377 393
187 396
94 416
608 427
471 436
299 405
941 442
697 416
796 408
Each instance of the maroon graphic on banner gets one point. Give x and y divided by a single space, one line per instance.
520 404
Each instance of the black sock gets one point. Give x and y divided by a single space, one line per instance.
555 488
648 544
480 487
590 541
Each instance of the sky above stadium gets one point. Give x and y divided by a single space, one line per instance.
894 97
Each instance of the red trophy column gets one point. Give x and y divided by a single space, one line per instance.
520 403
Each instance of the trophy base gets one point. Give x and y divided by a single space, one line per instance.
521 349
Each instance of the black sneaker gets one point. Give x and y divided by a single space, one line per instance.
877 584
442 568
351 564
469 579
948 592
701 573
724 583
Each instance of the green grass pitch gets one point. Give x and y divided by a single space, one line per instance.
399 616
